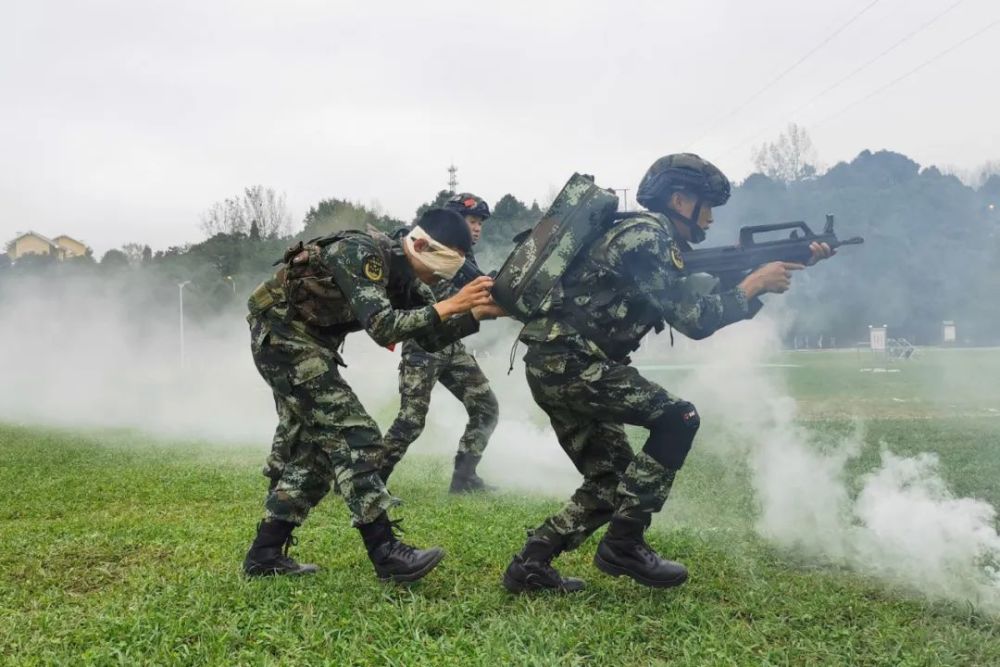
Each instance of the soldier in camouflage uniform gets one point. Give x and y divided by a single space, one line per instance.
457 370
629 281
298 320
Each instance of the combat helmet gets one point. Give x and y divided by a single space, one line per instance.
683 172
467 203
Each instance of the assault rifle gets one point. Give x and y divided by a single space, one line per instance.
469 272
731 263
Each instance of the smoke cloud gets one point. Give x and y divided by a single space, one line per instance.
899 521
81 357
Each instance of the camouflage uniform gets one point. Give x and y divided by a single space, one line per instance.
457 370
628 282
324 434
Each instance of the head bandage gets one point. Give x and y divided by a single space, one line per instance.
439 258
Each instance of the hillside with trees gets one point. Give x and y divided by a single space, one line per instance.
932 251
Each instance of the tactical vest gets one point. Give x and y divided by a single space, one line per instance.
305 284
606 289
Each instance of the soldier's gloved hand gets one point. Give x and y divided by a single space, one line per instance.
775 277
820 251
476 293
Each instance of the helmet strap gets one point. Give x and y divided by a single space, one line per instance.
696 232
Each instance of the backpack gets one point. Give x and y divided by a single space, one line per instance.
310 290
578 215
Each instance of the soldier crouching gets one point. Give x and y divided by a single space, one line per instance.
298 320
628 281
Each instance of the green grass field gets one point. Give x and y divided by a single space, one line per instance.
118 548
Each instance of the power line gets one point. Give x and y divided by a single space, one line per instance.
852 74
907 74
783 74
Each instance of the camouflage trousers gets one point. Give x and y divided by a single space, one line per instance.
323 437
588 401
461 375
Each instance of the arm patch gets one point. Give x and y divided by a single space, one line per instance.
374 268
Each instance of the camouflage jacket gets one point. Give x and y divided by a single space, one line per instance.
370 286
629 281
414 353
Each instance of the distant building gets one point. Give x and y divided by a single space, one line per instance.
949 333
70 246
33 243
877 337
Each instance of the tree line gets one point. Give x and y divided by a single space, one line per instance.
932 250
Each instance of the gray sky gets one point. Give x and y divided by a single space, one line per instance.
123 120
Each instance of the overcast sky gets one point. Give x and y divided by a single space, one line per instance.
123 120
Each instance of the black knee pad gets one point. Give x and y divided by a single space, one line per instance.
671 436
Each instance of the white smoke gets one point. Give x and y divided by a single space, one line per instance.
81 358
523 454
899 521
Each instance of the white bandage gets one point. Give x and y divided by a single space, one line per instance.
439 258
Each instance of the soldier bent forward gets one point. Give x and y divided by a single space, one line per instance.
298 319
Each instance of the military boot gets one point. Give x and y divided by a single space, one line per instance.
268 555
624 551
395 560
465 479
531 570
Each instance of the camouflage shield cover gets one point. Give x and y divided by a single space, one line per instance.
579 213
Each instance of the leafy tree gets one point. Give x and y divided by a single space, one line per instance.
440 200
335 215
510 217
114 259
133 251
990 189
35 265
926 246
509 207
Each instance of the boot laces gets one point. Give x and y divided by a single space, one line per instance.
548 572
395 530
542 567
290 542
647 552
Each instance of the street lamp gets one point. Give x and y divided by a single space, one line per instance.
180 293
233 281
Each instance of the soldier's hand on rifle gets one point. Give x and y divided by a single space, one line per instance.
775 277
820 251
490 312
476 293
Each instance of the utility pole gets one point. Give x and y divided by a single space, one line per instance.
180 292
453 178
624 197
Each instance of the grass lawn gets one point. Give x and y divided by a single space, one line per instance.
124 549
